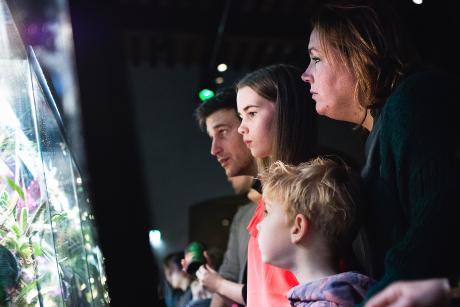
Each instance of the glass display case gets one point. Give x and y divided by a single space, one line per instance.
48 245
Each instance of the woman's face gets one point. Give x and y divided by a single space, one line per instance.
332 85
257 115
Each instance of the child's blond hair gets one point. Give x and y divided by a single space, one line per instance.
326 192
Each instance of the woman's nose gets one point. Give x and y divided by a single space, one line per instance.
306 76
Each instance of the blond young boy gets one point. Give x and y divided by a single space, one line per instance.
311 215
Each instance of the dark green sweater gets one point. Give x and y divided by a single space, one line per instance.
411 176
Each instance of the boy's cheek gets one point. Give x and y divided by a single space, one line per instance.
262 249
260 236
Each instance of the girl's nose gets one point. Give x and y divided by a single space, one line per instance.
242 129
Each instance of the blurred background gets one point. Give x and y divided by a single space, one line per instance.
126 75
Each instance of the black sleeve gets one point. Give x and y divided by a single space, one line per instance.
244 290
244 293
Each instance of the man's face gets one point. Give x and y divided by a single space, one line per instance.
227 144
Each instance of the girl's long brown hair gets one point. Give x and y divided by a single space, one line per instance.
295 122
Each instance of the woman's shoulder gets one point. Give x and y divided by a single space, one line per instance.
424 103
421 93
423 87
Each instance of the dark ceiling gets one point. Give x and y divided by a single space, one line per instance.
244 34
247 34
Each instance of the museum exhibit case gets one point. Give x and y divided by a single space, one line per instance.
49 254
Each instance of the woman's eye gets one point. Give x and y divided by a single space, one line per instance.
315 59
252 114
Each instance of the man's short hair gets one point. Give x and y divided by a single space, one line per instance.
325 191
224 99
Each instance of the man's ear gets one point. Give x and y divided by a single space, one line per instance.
300 228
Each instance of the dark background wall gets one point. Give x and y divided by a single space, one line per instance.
117 182
177 166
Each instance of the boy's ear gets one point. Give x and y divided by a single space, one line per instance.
299 228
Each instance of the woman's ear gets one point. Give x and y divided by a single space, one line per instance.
299 228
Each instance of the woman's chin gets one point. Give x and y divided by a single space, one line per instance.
324 110
320 109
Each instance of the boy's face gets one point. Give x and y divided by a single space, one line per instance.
275 236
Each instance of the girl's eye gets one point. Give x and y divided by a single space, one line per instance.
252 114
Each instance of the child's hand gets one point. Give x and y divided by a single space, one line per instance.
198 291
209 278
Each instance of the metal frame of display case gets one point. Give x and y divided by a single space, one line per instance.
46 91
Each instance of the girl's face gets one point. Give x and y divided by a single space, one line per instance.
257 115
332 84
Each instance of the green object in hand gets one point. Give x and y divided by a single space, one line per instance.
195 255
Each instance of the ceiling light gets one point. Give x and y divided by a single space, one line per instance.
222 67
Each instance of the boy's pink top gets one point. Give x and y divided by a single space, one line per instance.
266 285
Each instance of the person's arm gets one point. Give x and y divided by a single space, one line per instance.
217 284
422 293
217 301
231 292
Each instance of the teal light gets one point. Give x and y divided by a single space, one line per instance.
155 238
205 94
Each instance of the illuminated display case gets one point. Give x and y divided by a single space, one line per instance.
48 246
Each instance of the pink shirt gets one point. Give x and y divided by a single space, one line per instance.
266 285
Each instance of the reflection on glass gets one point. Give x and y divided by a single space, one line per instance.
45 25
48 246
